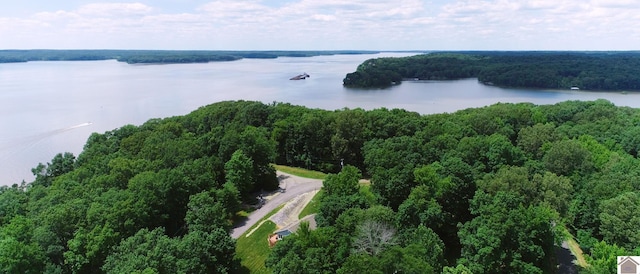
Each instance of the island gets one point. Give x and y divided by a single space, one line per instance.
602 71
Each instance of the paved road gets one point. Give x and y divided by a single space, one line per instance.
294 186
565 259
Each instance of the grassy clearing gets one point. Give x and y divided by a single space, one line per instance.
254 250
312 206
575 249
301 172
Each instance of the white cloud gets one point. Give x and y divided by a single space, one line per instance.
115 9
335 24
324 17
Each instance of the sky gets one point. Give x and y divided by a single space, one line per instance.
321 24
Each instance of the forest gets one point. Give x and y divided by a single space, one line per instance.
602 71
155 56
485 190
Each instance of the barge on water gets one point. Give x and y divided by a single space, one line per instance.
301 77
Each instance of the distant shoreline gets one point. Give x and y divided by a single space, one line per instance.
159 56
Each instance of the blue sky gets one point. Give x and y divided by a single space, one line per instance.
321 24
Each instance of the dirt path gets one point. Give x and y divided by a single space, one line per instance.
293 185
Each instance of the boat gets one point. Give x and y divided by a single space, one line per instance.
300 77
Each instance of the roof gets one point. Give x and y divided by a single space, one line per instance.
283 233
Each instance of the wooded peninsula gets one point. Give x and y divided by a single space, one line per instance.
603 71
156 56
486 190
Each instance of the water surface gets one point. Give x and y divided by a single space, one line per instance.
52 107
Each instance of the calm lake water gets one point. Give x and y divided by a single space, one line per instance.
52 107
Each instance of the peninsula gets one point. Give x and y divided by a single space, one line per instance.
604 71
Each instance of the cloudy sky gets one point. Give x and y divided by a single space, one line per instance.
321 24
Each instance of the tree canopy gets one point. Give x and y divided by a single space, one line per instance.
476 191
609 71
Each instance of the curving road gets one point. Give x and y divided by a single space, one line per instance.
293 185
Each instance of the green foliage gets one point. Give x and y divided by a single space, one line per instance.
531 139
145 250
603 258
341 192
60 164
344 183
301 172
479 189
567 157
459 269
254 142
549 70
321 251
555 191
424 244
313 206
350 134
239 171
507 236
205 214
392 260
18 257
620 221
391 163
416 250
421 207
197 252
13 202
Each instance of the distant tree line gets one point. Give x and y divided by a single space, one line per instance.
485 190
154 56
607 71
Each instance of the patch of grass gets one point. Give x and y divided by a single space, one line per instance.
254 250
301 172
312 207
575 249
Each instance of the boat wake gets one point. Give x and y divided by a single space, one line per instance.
80 125
22 144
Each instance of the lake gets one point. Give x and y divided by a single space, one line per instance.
52 107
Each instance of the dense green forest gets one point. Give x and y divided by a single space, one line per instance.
155 56
484 190
607 71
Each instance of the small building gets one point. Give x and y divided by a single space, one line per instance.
628 266
277 236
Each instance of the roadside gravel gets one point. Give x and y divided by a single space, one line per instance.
294 186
